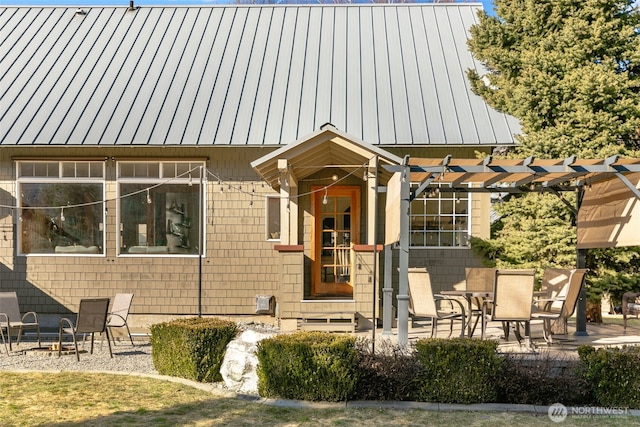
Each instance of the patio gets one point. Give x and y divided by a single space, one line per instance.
610 333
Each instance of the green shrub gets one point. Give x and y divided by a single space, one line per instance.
389 373
191 348
307 366
541 380
459 370
614 374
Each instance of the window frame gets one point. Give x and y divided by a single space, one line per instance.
60 177
434 194
182 176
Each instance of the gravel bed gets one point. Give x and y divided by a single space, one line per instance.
126 358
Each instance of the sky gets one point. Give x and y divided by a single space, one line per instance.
486 3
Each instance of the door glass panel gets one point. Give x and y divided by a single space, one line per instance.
335 231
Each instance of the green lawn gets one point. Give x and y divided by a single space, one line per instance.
78 399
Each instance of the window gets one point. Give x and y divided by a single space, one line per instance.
159 207
273 218
440 217
61 207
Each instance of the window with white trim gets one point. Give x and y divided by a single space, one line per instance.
273 218
61 207
440 218
159 207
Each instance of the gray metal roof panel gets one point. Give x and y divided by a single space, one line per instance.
389 74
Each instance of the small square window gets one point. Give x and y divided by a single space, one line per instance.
273 218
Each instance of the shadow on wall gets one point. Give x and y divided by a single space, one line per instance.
13 271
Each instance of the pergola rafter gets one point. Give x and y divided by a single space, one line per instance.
514 175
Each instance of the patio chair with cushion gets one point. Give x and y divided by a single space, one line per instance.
92 318
562 306
423 303
512 301
117 317
10 318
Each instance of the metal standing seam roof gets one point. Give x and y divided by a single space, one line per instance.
240 75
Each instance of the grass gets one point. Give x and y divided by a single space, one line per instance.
632 321
79 399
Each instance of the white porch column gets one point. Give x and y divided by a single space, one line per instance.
288 204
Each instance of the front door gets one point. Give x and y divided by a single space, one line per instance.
336 213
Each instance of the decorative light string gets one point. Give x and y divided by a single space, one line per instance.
207 173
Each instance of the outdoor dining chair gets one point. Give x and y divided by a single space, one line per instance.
117 317
10 318
423 303
560 307
92 318
478 279
512 301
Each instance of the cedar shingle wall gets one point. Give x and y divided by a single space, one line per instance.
239 262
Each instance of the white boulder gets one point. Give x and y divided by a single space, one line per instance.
240 362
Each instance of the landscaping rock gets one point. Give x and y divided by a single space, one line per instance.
240 362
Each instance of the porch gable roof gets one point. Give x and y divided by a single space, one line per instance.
327 147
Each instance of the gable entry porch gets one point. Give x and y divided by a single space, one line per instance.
328 257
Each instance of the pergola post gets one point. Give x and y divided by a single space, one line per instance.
581 262
387 292
403 265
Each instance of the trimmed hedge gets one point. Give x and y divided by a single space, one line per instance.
544 379
307 366
457 370
614 374
389 373
191 348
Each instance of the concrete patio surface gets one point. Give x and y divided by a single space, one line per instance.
610 333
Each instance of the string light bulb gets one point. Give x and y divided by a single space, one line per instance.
62 214
324 198
365 175
148 197
190 180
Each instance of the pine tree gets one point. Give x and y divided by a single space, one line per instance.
570 71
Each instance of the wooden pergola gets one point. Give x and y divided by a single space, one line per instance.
491 175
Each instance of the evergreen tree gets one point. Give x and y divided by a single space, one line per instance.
570 71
